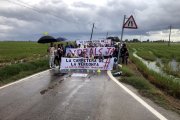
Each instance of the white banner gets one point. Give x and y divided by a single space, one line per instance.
97 42
96 51
84 63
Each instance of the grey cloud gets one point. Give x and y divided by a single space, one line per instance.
83 5
56 1
127 6
55 16
158 17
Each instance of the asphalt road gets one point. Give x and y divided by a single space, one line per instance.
55 96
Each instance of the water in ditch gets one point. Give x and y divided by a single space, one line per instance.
158 68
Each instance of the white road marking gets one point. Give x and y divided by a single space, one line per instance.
79 75
151 109
23 79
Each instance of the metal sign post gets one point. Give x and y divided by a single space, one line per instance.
130 24
92 32
169 35
121 38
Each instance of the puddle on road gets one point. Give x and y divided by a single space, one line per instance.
43 91
50 87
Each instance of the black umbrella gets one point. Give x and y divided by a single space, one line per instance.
47 39
59 39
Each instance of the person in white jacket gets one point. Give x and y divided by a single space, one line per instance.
51 56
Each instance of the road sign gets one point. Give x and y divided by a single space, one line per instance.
130 23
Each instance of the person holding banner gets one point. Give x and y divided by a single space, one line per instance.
90 44
60 54
68 55
115 53
91 56
101 57
73 55
84 54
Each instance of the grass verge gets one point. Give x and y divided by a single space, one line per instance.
167 84
146 89
14 72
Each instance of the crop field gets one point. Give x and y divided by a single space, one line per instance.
14 51
20 59
151 51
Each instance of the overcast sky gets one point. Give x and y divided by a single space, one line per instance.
73 19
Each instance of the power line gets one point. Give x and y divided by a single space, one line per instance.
20 3
49 13
37 10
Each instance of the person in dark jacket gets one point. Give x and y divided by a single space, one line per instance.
126 57
60 53
124 53
115 53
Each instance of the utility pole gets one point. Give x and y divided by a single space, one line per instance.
92 32
122 31
169 35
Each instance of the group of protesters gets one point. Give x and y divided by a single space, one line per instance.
58 51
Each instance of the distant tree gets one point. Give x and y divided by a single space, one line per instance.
110 38
135 40
115 39
160 41
147 40
126 40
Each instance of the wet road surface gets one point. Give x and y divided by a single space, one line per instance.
56 96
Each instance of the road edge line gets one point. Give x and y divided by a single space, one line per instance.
23 79
141 101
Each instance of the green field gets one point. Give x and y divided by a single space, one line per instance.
151 51
20 59
14 51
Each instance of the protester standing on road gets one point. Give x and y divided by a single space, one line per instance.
51 55
91 56
60 54
64 50
115 53
67 45
56 56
